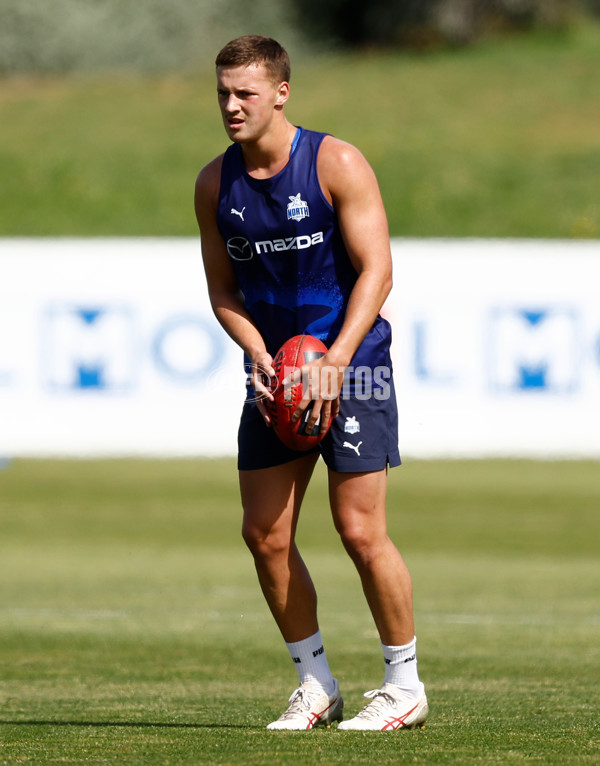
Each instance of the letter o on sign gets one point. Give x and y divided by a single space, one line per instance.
187 348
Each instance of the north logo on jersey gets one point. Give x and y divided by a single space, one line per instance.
297 208
352 426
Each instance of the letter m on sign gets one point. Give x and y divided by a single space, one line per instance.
533 349
88 348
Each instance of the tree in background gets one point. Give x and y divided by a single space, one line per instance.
56 36
425 23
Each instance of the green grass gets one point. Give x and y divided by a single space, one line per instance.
496 140
132 630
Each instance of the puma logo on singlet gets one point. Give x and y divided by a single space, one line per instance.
238 212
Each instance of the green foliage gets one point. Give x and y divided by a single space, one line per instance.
57 36
133 630
426 25
592 5
151 36
498 140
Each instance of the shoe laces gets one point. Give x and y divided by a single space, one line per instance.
300 701
380 703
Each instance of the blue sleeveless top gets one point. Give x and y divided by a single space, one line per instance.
287 252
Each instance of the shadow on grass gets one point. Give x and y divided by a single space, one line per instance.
128 724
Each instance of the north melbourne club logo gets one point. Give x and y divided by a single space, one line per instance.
352 425
297 209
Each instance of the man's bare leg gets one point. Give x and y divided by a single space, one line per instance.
359 512
271 498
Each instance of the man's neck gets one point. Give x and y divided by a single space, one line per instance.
267 157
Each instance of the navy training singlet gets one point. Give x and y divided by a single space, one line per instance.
287 252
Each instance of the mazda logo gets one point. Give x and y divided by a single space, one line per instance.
240 249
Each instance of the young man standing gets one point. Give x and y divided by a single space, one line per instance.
295 240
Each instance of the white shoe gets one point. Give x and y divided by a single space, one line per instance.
389 710
310 706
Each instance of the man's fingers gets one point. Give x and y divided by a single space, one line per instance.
263 411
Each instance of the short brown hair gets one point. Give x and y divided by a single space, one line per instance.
255 49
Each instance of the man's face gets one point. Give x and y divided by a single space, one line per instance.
248 99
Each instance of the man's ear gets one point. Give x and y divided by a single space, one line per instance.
283 93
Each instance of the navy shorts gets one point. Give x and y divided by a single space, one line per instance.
363 437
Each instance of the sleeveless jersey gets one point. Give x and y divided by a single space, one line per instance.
287 252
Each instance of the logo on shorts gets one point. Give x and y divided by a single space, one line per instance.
352 425
353 447
297 209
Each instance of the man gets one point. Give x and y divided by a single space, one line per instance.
295 240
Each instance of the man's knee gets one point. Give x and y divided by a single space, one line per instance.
363 543
264 543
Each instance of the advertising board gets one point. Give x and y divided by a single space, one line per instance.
109 347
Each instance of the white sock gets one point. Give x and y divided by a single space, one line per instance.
311 663
401 668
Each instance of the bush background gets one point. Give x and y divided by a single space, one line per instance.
480 118
166 35
57 36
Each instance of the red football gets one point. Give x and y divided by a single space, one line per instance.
296 352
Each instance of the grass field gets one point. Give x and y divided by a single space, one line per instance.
492 141
132 630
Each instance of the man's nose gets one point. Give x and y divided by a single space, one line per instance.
231 104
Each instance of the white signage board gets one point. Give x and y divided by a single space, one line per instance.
109 347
